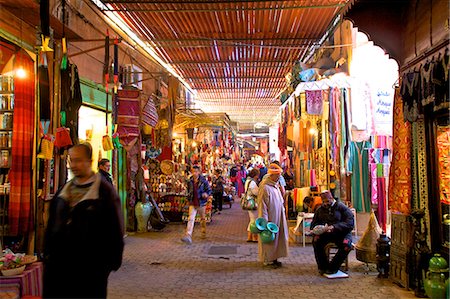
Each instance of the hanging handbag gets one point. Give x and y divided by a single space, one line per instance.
248 201
62 138
107 142
47 140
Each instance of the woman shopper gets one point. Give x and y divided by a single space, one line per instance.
271 208
251 188
241 177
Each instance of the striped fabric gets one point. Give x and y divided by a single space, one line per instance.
150 114
29 282
128 111
19 211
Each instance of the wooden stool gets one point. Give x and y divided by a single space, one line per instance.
331 250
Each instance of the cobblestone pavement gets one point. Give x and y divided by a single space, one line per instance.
159 265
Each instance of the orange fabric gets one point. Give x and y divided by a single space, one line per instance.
400 188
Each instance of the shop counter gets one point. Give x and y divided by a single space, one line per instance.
29 283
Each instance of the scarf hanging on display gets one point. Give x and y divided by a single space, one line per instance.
20 203
150 113
128 111
71 99
314 102
400 184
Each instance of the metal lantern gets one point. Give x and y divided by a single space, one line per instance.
383 255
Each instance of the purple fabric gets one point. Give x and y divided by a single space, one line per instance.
314 102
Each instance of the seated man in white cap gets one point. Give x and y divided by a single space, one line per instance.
333 222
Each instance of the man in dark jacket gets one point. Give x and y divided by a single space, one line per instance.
84 236
217 188
334 222
198 192
103 168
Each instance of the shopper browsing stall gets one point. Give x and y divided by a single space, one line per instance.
333 222
271 207
198 192
251 189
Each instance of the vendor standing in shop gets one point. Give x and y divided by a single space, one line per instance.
333 222
271 207
84 237
198 191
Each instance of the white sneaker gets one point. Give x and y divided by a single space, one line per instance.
187 240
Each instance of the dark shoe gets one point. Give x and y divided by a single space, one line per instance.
322 272
279 264
249 241
331 271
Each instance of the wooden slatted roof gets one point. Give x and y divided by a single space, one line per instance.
235 54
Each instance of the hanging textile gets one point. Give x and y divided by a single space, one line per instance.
334 123
128 110
400 188
358 167
71 99
314 102
410 94
20 209
150 113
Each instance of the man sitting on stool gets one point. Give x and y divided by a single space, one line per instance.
332 223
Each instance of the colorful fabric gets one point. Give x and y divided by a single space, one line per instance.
373 180
400 184
150 113
128 110
381 193
358 167
19 211
314 102
30 281
443 147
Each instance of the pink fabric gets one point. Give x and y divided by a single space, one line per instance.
313 179
30 281
373 176
150 114
240 175
381 188
314 102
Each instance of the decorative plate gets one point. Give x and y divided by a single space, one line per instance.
167 167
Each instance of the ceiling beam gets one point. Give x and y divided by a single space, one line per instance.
236 39
225 9
235 79
230 62
191 1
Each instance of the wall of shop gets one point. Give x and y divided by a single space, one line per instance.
427 25
85 20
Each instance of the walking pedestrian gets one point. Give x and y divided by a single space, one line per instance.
217 188
251 188
84 235
271 207
198 192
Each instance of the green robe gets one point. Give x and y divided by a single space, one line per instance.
358 167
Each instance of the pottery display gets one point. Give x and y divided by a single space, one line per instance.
142 212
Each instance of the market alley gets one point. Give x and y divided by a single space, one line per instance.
159 265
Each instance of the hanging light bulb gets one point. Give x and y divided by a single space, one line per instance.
313 131
21 73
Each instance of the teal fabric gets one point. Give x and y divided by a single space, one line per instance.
358 166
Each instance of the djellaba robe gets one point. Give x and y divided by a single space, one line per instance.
271 207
